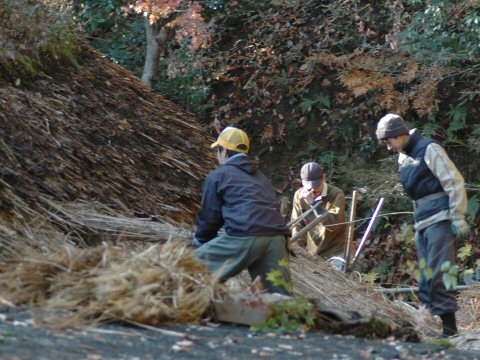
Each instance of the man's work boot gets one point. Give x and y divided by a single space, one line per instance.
449 324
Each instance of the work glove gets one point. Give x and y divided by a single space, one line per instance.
460 228
319 210
196 243
307 196
290 246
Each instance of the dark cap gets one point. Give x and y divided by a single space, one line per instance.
390 126
312 175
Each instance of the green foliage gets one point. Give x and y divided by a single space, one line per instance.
450 275
426 272
289 316
458 117
433 35
382 268
283 2
327 159
345 35
464 252
308 153
458 113
307 105
184 79
323 100
29 65
214 5
368 147
282 81
277 279
370 278
473 206
431 128
320 102
408 234
35 35
345 131
383 224
413 271
121 38
443 342
450 272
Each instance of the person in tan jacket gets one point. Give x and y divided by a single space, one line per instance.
327 239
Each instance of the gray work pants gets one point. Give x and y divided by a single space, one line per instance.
436 245
259 254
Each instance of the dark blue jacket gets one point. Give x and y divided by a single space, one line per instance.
238 196
418 180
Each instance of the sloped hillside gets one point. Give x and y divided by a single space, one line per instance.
76 127
310 79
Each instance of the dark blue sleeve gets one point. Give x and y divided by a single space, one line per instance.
209 219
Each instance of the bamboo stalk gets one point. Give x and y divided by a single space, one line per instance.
350 231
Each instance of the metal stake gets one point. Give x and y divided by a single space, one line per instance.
367 231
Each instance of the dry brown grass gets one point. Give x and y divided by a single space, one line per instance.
316 278
468 317
51 225
46 262
161 283
469 314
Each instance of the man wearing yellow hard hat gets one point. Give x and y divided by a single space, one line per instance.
240 199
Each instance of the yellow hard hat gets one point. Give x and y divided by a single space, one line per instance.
233 139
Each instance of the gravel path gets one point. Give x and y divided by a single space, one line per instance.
21 340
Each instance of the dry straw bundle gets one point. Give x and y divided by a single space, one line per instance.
50 225
161 283
46 262
134 282
24 229
109 224
316 278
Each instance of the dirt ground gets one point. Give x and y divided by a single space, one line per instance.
21 340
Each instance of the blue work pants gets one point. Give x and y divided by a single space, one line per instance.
436 244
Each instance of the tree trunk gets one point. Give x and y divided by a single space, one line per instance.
156 39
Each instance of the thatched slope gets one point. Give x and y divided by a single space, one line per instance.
97 133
